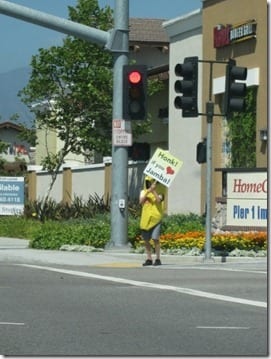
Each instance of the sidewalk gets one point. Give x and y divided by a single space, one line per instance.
16 250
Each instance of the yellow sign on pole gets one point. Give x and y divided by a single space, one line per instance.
163 167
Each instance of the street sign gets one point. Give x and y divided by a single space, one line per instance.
122 133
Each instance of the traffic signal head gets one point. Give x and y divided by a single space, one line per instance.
235 92
202 151
134 92
188 87
139 151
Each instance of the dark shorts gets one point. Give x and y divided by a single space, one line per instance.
153 233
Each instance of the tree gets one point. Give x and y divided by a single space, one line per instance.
75 82
72 84
26 134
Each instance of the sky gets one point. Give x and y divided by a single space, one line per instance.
21 40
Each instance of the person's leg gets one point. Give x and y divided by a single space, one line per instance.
146 235
148 249
157 248
155 237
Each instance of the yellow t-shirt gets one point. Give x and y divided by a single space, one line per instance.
152 211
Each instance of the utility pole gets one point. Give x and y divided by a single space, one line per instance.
119 210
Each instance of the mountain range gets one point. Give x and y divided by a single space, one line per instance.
10 103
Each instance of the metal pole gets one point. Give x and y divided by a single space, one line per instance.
119 214
209 116
208 234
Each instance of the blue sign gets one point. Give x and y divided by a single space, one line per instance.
11 195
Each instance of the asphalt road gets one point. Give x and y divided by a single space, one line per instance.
121 309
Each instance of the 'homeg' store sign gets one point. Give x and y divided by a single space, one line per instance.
247 199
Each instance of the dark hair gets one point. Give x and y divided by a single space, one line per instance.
148 184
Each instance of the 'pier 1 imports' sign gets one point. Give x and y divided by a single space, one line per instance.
247 199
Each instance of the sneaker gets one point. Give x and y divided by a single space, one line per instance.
148 262
157 262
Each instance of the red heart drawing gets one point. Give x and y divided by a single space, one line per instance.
170 171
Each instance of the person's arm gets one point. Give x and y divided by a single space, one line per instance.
158 197
144 194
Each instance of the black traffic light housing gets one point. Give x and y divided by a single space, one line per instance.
139 151
202 151
188 102
134 92
235 92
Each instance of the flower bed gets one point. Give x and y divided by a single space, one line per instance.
221 243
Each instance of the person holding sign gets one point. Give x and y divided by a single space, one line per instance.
152 200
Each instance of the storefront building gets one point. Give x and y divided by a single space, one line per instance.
238 30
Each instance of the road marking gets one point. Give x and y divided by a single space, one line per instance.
118 265
203 327
11 323
169 266
193 292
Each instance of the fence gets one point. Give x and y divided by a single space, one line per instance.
82 182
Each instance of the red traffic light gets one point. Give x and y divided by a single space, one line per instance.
134 92
134 77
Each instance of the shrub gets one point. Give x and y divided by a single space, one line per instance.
17 227
52 235
178 232
51 210
177 223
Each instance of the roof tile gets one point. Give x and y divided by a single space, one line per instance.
147 30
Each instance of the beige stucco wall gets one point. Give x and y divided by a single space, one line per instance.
184 194
46 143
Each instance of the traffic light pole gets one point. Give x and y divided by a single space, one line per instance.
209 116
119 197
208 226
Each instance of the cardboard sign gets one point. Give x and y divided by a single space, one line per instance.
163 167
